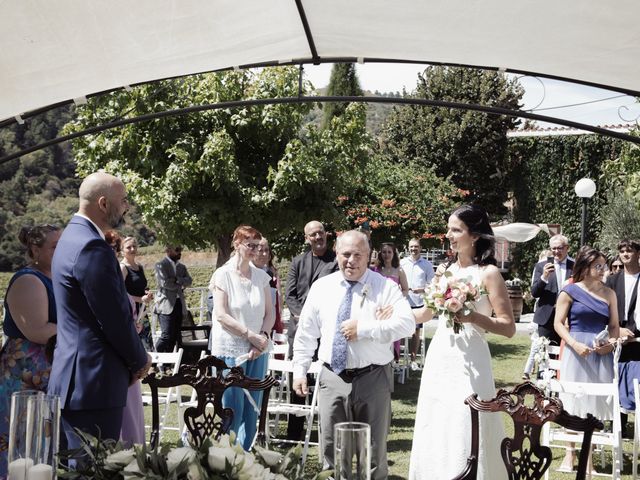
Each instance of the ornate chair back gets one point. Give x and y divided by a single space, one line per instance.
523 455
206 378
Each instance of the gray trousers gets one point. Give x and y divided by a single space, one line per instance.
367 399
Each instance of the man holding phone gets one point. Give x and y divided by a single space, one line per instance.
548 278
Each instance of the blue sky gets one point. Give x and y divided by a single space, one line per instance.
544 97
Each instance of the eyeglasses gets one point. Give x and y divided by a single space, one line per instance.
601 267
616 266
251 246
553 249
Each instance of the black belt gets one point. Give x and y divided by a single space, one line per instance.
349 374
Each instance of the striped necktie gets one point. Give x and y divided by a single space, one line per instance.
339 348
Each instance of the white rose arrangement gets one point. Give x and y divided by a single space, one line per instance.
221 459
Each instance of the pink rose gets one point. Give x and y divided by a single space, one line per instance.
453 305
439 302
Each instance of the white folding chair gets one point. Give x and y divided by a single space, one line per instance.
166 361
280 401
608 391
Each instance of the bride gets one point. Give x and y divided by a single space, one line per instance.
458 365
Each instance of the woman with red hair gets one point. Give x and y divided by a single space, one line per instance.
243 319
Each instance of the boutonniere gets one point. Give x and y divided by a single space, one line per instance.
365 292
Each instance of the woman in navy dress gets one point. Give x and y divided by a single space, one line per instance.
29 323
588 307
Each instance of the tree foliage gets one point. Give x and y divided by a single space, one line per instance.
469 147
343 82
196 177
36 188
620 220
402 201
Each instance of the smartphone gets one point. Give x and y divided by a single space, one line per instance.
549 259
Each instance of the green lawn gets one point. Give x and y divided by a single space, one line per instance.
509 356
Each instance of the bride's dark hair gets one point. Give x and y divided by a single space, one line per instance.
477 221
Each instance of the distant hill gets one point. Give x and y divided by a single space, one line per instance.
377 113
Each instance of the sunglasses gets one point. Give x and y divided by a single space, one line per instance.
616 266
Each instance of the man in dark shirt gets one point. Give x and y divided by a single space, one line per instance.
305 269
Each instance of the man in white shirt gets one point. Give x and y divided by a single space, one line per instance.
419 272
356 346
625 284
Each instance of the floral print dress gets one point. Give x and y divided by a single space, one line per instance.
23 364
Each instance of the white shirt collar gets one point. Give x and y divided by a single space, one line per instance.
92 223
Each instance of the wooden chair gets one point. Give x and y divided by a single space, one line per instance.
200 421
523 455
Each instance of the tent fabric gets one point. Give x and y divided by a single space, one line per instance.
519 232
66 49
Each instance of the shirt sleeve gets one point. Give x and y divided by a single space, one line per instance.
401 324
307 334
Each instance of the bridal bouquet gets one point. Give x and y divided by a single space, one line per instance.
450 296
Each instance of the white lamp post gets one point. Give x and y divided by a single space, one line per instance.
585 188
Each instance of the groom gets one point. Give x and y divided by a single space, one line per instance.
356 381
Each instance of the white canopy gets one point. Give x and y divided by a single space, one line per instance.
54 51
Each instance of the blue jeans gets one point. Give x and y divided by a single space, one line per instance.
245 417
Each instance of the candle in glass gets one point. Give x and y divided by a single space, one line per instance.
41 471
18 468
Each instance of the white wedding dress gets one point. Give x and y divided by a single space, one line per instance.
456 366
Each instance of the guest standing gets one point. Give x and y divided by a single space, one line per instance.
549 277
305 269
264 261
388 265
29 323
419 272
98 352
132 431
136 283
588 306
625 281
172 278
242 323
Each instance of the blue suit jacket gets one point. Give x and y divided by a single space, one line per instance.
98 348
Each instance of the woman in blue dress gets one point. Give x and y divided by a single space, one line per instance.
585 308
29 323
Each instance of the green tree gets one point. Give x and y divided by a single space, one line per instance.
402 201
620 220
196 177
468 147
343 82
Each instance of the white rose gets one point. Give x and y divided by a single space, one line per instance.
195 473
130 470
123 457
177 455
270 457
218 456
254 471
224 440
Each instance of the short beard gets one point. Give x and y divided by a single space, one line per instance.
115 221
